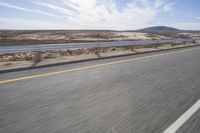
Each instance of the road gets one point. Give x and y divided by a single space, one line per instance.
44 47
132 94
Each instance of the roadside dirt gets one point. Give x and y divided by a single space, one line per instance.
21 61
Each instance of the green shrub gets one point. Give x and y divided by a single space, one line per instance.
51 56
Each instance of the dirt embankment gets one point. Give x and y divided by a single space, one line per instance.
48 54
34 59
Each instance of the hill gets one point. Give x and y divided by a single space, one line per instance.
160 29
165 30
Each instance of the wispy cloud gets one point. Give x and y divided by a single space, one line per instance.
100 14
26 10
169 7
54 7
13 7
104 14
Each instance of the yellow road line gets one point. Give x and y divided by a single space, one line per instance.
88 67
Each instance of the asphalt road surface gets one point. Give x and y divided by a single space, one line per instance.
133 94
44 47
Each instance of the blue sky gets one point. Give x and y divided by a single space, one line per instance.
99 14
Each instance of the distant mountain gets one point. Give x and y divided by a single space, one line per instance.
165 29
160 29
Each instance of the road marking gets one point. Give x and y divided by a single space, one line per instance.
89 67
178 123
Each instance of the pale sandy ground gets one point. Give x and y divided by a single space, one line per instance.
23 64
86 36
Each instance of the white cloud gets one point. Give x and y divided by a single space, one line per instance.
104 14
159 3
25 9
168 7
197 17
54 7
99 14
13 6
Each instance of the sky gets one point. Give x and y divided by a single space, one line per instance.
99 14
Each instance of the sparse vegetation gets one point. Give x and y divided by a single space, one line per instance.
51 55
27 37
21 37
38 56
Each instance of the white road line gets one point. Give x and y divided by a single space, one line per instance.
178 123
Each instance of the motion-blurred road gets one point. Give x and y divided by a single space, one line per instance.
143 94
45 47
